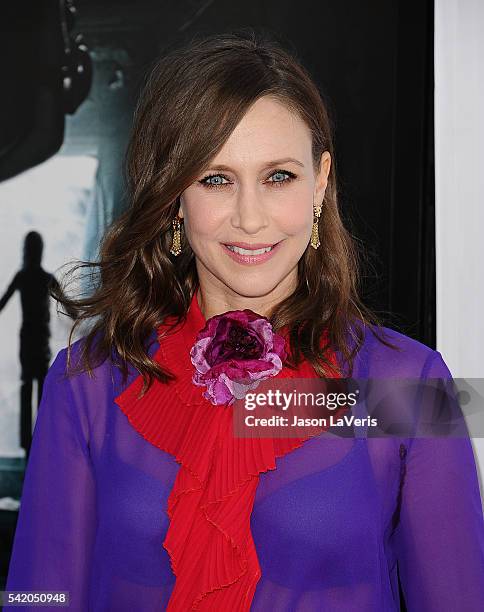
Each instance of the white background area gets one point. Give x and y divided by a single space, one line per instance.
459 189
53 199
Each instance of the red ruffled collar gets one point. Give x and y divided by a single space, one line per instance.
209 541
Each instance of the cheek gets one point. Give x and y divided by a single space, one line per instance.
201 219
296 223
295 217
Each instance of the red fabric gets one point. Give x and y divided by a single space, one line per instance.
209 540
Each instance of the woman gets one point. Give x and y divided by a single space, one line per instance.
232 267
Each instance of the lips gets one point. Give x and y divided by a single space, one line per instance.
247 258
255 246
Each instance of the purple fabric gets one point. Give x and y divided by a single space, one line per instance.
332 524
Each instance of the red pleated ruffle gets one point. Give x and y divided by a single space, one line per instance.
209 541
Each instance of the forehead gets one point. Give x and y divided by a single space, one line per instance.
269 130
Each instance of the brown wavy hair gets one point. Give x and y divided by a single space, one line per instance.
192 99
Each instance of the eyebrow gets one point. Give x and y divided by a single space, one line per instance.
271 164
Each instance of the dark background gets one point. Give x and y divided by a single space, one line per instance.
372 60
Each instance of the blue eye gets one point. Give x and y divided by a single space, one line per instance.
217 183
207 179
283 173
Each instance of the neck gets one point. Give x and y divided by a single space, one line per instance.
212 303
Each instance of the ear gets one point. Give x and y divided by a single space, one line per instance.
322 177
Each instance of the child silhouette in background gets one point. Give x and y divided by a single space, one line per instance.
34 283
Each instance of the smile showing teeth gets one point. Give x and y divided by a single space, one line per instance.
248 251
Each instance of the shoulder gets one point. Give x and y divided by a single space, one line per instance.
68 356
69 370
70 363
406 358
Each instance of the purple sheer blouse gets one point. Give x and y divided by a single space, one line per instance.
335 525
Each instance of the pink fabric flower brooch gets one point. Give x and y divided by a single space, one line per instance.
233 353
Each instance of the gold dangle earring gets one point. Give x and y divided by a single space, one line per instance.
176 237
315 233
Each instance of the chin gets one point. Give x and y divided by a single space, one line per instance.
251 289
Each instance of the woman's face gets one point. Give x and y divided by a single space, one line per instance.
258 190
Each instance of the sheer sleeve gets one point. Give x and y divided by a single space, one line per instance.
56 524
439 541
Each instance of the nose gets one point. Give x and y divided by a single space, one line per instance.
250 214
